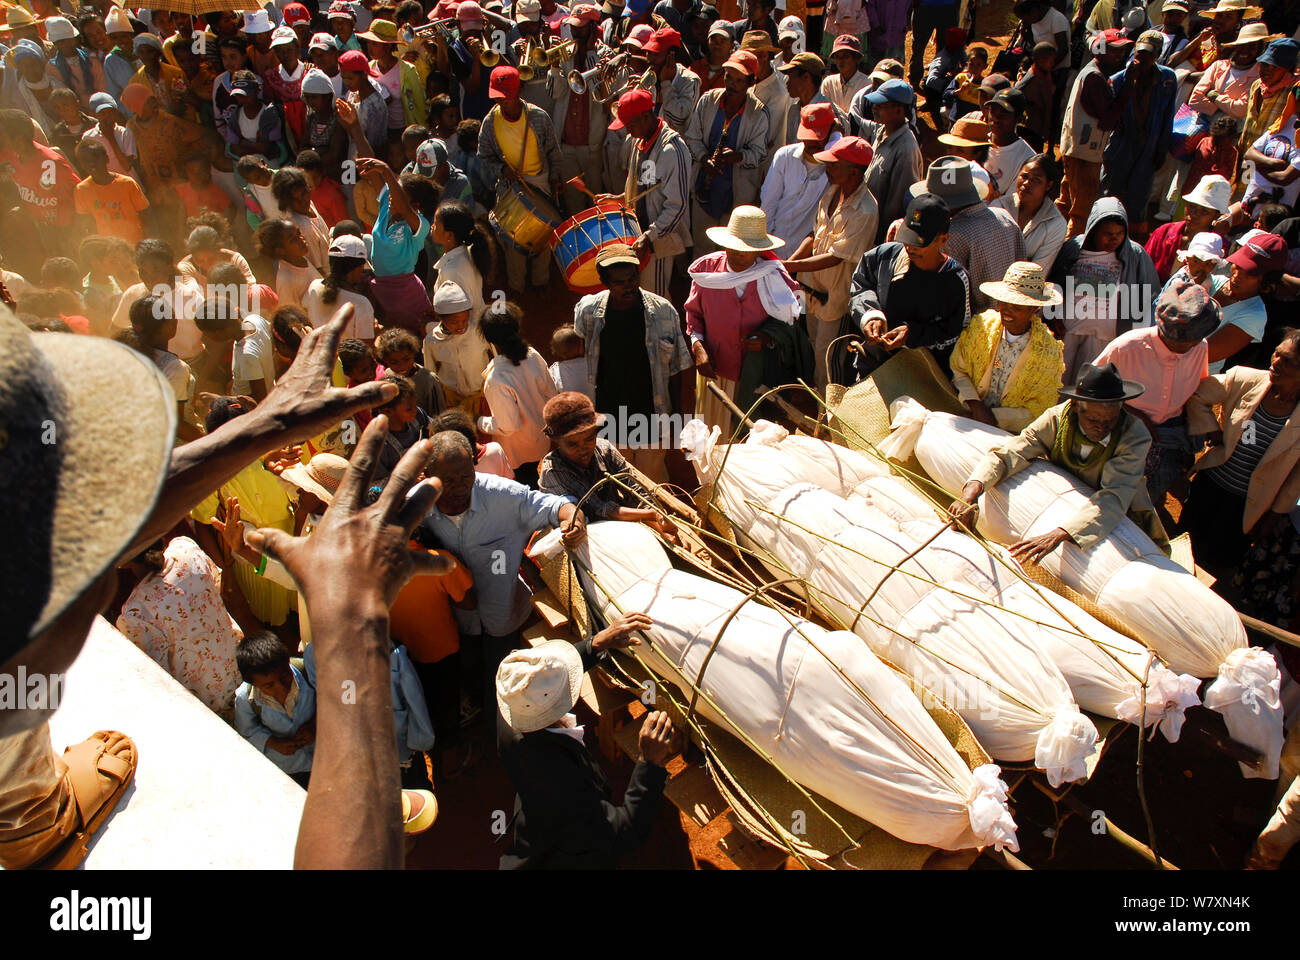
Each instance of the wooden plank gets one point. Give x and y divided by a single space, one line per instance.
693 792
545 603
748 853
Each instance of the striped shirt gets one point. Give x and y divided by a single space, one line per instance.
1234 473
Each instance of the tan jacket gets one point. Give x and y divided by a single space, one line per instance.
751 141
1275 484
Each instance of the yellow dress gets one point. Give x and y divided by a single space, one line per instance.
263 503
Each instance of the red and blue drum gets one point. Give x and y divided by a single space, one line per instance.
577 240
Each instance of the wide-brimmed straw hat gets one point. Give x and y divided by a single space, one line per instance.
746 231
1234 6
970 131
1253 33
536 687
321 476
86 429
1024 284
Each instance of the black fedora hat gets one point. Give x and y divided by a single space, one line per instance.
1103 385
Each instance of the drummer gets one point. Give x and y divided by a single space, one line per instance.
1094 438
656 185
518 150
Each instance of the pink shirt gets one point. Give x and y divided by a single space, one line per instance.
1233 90
1170 378
721 320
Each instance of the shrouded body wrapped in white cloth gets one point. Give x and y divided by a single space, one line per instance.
1183 621
828 712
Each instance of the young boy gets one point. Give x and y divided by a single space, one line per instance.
456 352
569 371
407 425
255 183
963 94
358 365
248 337
113 200
275 707
71 125
399 351
1039 91
943 68
104 259
198 193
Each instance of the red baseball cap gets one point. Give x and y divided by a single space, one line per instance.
504 84
815 121
296 13
846 41
1114 37
744 61
354 61
1262 253
631 105
853 150
662 40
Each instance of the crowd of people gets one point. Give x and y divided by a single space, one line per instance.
286 254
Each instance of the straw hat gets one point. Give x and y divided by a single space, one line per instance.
86 428
1253 33
1234 6
1025 284
746 231
537 687
969 131
321 476
16 18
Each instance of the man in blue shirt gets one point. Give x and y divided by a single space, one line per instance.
486 522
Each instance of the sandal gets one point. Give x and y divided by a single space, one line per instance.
99 771
419 811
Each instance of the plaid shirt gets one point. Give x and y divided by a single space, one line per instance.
664 341
560 476
985 244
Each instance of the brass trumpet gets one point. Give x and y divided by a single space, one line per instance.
557 54
597 80
487 57
440 27
534 55
647 81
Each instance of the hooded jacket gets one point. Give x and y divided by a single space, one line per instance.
1136 266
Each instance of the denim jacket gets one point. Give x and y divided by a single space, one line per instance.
664 341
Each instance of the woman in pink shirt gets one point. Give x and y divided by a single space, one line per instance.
736 289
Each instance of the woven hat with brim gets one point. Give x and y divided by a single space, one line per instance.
537 687
1234 6
967 132
1103 385
758 41
321 476
16 18
1253 33
1212 191
1024 284
615 253
86 428
568 414
746 231
1185 312
381 31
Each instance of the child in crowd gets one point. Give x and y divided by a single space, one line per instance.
569 371
275 707
227 327
963 94
1040 97
399 351
281 241
407 425
72 123
358 364
516 385
1203 257
488 457
469 252
113 200
455 350
254 177
110 268
445 117
941 71
347 281
326 192
1215 154
198 193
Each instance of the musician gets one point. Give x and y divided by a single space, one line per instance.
678 88
845 229
461 59
657 186
728 140
769 87
637 13
532 33
579 118
517 147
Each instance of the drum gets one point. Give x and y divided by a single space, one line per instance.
577 240
524 219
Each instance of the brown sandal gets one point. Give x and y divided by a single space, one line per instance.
99 771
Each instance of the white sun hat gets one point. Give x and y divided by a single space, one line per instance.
536 687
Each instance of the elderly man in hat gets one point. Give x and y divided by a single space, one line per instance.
587 467
103 397
1092 436
1092 110
1007 365
795 182
896 161
517 145
728 139
983 240
733 292
1172 358
635 355
845 229
565 817
678 88
907 293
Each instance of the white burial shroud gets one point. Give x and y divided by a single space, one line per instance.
1188 625
818 702
983 661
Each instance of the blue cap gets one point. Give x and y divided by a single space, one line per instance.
892 91
635 8
1282 53
101 101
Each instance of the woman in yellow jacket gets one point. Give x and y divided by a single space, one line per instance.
1007 366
